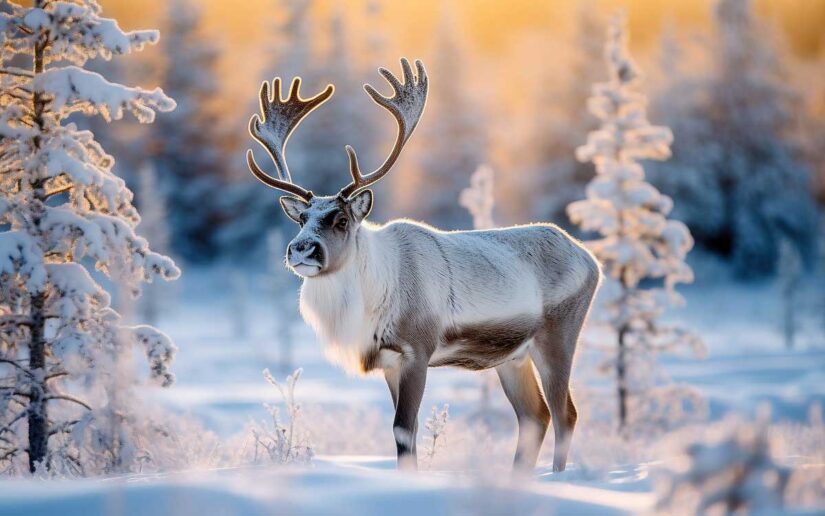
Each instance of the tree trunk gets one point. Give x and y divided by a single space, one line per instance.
621 353
790 324
38 420
38 417
621 379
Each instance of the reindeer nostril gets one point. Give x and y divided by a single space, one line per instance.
316 253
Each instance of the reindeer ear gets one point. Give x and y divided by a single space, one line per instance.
361 205
293 207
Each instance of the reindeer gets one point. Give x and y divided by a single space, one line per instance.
403 296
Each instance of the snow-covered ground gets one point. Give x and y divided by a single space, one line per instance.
335 485
220 383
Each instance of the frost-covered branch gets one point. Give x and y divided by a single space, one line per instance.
16 365
73 89
16 72
68 397
15 320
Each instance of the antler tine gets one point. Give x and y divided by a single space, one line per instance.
268 180
274 125
406 105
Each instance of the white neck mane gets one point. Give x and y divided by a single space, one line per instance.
350 306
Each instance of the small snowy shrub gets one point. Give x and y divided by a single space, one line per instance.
642 252
802 445
277 441
64 214
435 425
732 470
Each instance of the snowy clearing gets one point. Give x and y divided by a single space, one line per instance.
343 485
219 382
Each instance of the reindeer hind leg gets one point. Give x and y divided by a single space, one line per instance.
555 346
518 379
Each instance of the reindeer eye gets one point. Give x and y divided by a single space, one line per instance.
342 224
302 219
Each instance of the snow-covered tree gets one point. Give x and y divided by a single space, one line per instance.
637 241
112 137
377 40
821 267
189 146
154 227
292 43
453 137
63 210
478 198
250 211
759 171
347 119
729 472
689 176
555 177
790 281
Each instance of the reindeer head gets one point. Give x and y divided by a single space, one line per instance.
329 223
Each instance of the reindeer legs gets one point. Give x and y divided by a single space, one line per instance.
518 379
412 377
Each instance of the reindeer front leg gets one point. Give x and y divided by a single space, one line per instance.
412 376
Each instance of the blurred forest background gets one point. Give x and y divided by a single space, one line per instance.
741 84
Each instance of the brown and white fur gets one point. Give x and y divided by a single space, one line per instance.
403 296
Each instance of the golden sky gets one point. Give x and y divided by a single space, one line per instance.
490 24
500 35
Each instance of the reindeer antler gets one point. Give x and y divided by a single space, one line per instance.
280 118
406 106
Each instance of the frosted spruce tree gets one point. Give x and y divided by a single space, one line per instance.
790 273
189 146
478 198
555 177
248 210
154 227
346 119
454 137
759 170
690 173
637 241
62 211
